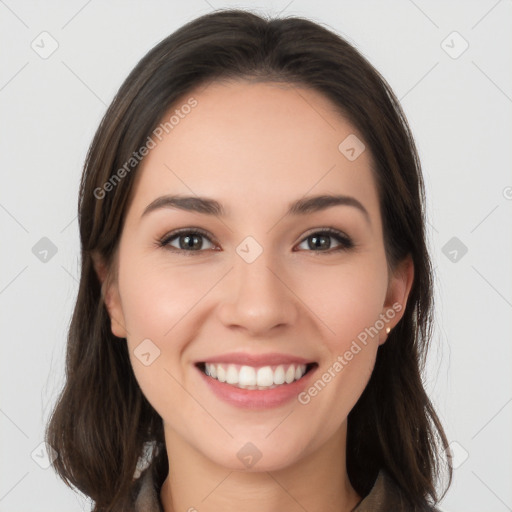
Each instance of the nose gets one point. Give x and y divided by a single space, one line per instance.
257 297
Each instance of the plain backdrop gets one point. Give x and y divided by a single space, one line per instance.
448 62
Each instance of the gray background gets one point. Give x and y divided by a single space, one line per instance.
459 106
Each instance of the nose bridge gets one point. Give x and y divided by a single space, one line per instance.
257 296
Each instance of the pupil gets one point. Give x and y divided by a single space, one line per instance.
189 241
320 242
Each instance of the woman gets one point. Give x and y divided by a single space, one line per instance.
255 300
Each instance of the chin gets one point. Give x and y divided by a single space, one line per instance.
257 455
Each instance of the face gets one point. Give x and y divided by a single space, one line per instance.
258 289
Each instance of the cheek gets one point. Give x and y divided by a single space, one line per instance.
156 301
345 299
156 298
158 304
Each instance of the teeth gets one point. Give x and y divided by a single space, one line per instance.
264 377
279 375
221 373
248 377
231 375
290 375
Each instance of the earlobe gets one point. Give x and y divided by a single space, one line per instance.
113 304
110 296
399 287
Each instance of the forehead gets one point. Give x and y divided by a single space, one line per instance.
252 144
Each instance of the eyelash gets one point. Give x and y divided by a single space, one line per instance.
345 242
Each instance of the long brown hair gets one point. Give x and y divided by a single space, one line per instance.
102 421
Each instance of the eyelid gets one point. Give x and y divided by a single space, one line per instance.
326 229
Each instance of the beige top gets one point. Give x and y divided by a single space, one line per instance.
385 496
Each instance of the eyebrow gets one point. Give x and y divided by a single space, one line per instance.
209 206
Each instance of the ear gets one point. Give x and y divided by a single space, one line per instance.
399 287
110 295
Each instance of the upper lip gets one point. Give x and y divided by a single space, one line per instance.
270 359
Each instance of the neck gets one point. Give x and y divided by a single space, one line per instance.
318 481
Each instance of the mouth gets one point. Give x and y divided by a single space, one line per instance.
256 377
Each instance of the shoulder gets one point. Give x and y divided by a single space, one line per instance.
385 496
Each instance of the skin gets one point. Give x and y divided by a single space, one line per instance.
254 147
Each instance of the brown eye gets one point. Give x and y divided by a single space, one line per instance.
322 240
189 241
186 240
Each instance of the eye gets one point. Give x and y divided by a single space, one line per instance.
320 240
188 240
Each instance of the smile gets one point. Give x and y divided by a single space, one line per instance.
255 378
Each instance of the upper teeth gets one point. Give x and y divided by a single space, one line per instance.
254 378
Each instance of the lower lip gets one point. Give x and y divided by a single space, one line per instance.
256 398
